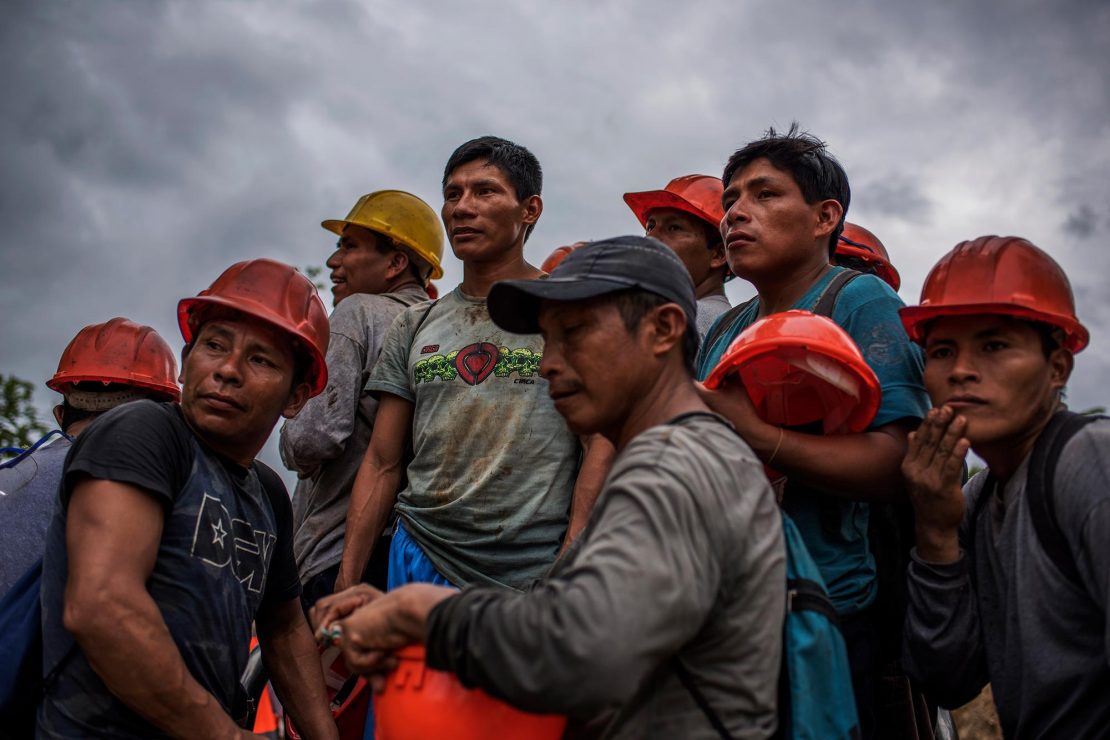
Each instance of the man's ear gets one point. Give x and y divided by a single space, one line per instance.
398 264
668 325
718 256
1061 362
298 397
533 207
829 213
59 410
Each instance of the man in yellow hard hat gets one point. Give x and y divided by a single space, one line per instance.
390 245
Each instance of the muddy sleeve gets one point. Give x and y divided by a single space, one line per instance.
640 586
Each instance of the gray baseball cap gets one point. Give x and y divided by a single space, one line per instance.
595 269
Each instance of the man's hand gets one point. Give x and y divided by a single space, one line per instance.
330 609
387 623
932 468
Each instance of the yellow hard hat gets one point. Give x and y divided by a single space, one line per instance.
402 217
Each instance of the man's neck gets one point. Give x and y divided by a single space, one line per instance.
479 277
781 293
712 285
1003 457
670 394
401 282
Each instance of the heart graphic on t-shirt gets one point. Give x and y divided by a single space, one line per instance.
476 361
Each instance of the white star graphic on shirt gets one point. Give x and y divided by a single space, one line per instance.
218 533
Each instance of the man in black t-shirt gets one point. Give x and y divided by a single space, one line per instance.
170 540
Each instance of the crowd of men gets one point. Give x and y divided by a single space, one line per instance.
526 476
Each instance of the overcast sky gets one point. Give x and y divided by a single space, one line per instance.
148 145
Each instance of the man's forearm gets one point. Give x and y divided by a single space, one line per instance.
127 643
596 461
372 499
293 663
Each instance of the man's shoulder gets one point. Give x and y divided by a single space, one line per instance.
697 440
144 414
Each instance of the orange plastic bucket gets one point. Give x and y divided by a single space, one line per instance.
420 703
799 368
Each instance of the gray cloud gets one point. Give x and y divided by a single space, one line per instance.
146 146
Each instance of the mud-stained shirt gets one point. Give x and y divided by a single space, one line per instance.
489 487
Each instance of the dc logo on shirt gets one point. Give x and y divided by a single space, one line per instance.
220 540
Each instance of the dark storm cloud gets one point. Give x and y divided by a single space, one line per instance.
146 146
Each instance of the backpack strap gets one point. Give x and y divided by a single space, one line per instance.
1039 495
726 322
805 595
826 302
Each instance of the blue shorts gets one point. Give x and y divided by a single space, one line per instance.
408 563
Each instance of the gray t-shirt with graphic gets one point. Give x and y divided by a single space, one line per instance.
490 484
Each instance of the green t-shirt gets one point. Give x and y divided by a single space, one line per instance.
490 484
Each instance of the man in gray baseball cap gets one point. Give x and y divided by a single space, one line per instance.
676 585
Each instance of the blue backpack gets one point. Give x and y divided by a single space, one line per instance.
815 685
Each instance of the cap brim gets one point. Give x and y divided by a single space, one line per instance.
649 200
514 305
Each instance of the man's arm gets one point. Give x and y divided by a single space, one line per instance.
863 466
321 430
375 489
943 648
112 536
597 458
293 662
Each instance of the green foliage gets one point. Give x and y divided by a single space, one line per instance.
1094 411
312 272
19 419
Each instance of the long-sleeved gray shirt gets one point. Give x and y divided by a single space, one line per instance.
326 441
1003 613
683 556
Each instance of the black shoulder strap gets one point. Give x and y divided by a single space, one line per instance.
826 302
699 699
1039 495
726 322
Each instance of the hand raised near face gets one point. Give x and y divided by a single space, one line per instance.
932 468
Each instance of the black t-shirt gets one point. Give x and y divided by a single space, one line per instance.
225 554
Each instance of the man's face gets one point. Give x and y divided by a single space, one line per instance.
591 363
237 382
992 370
357 266
686 234
482 215
769 229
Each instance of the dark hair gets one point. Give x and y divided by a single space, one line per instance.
635 303
817 173
385 244
517 163
71 415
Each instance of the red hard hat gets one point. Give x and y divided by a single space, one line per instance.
558 255
275 293
856 241
118 351
348 696
1004 275
799 368
420 703
699 195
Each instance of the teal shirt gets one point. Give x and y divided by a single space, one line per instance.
835 530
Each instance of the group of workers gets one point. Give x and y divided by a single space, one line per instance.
526 476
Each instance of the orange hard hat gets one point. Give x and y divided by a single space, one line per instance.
1004 275
348 696
275 293
856 241
118 351
799 368
558 255
699 195
420 703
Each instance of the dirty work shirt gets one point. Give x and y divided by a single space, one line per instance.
835 530
224 556
709 308
490 484
27 493
326 441
1003 613
682 556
